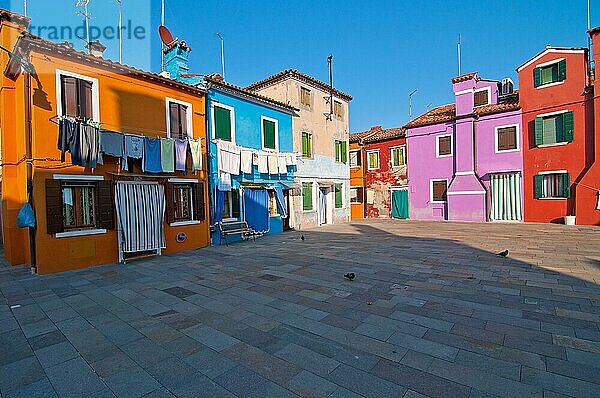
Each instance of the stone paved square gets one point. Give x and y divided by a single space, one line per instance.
433 311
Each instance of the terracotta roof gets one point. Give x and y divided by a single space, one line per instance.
300 76
28 40
359 136
465 77
217 80
549 48
376 134
6 15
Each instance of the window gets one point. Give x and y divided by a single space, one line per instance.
356 194
273 209
307 193
507 138
338 109
74 204
373 158
444 145
77 96
269 133
339 196
179 119
355 159
223 123
185 201
306 145
305 97
439 191
554 72
552 185
398 156
554 128
231 205
481 97
341 151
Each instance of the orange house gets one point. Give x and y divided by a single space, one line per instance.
83 215
357 157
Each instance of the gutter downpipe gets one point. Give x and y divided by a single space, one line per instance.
487 214
29 162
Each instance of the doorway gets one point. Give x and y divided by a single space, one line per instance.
322 206
400 203
506 197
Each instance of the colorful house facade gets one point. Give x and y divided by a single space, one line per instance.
465 158
321 139
559 154
75 146
357 163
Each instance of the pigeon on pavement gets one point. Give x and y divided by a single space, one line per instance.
502 254
350 276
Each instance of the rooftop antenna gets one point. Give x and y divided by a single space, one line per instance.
458 46
222 54
120 31
410 102
329 115
589 26
162 46
86 15
25 7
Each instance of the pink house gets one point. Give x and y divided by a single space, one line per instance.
464 159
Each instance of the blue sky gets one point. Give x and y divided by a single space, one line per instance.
382 49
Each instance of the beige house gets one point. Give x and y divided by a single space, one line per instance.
321 138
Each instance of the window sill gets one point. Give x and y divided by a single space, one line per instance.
444 156
554 144
552 198
434 202
309 211
508 150
180 223
355 167
82 232
399 167
550 84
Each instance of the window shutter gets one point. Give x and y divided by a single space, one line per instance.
539 131
183 121
537 77
106 208
69 96
85 99
568 127
222 123
344 152
170 199
269 134
306 196
538 182
54 207
567 185
337 151
199 207
338 196
174 119
562 70
309 144
304 145
235 204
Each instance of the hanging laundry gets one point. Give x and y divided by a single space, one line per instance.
67 129
263 163
167 155
90 148
224 182
229 157
246 156
134 148
181 149
291 159
196 151
151 160
281 163
273 164
111 143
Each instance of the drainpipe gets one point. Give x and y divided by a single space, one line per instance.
487 216
29 162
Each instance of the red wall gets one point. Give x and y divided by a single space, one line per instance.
572 95
382 179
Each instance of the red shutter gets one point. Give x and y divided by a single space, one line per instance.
170 199
199 206
69 96
85 99
106 208
54 207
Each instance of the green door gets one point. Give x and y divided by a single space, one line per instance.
400 203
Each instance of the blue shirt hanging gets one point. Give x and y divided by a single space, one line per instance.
151 163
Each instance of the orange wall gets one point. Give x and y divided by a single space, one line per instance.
357 210
127 104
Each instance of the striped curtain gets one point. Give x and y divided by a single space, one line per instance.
140 212
506 197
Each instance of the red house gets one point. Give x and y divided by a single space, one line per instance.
386 173
556 98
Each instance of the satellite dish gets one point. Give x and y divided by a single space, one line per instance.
165 35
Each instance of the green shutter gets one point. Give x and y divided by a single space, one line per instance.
344 152
538 182
566 185
304 145
307 196
269 134
222 123
309 145
568 127
562 70
539 131
537 77
338 196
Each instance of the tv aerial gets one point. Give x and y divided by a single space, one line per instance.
165 35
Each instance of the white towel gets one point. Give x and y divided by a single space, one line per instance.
246 156
598 204
224 181
273 164
229 158
282 163
263 163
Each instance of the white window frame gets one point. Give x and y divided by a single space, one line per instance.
400 147
517 138
188 116
349 157
231 110
437 146
489 97
95 92
378 160
543 115
431 181
262 134
549 63
350 198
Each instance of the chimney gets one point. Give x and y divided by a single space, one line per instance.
177 63
96 48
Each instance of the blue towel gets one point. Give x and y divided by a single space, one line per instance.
112 143
151 163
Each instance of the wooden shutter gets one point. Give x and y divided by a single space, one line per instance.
562 70
439 191
304 144
568 127
538 182
199 205
54 207
309 144
338 196
307 196
85 99
222 123
170 199
106 207
566 185
269 134
337 151
537 77
445 145
344 152
183 121
174 120
539 131
481 98
69 96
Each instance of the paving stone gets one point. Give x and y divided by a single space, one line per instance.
132 382
115 363
573 370
308 384
427 322
558 383
13 347
210 337
55 354
17 375
489 364
241 381
210 363
74 378
364 383
425 346
270 389
307 359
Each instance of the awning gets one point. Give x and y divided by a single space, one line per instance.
326 183
256 185
294 187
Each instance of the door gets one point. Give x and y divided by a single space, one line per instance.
322 206
400 203
506 197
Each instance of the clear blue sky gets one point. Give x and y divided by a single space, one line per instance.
382 49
